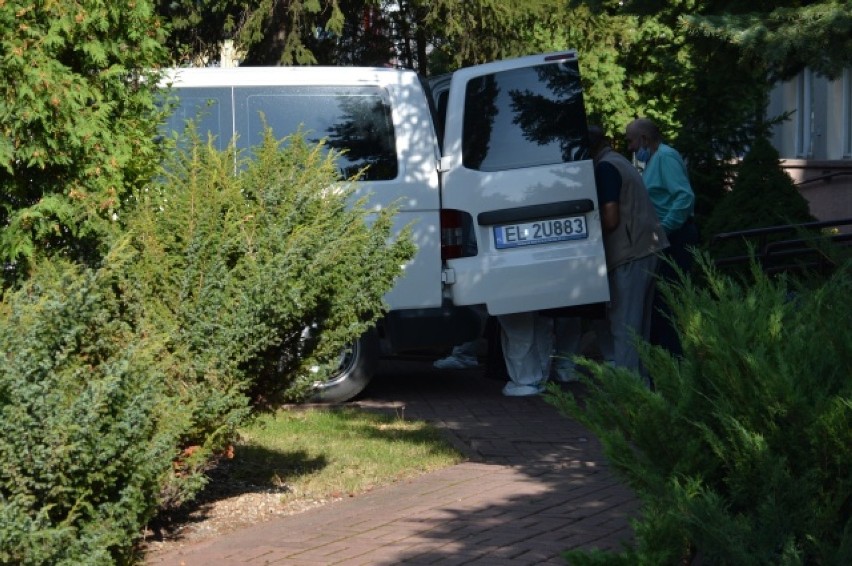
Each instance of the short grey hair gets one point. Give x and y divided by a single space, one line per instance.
647 128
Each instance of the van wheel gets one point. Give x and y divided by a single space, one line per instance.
357 364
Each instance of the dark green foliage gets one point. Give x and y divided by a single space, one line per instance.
235 267
719 116
762 195
87 438
474 32
266 32
77 122
787 36
742 454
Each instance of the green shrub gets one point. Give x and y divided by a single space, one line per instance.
742 454
118 385
87 438
235 266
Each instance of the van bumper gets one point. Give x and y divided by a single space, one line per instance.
412 330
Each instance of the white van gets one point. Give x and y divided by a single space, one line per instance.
489 164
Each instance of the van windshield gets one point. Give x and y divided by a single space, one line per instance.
524 118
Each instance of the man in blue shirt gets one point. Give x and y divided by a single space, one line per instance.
668 186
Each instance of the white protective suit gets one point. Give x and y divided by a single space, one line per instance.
527 340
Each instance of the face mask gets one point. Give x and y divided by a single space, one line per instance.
643 154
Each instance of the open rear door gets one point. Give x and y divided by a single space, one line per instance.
515 159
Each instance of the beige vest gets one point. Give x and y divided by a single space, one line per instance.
639 232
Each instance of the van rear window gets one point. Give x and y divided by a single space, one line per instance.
353 120
524 118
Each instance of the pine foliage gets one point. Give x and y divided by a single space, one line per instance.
787 36
742 454
78 121
474 32
267 32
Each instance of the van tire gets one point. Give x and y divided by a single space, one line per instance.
358 363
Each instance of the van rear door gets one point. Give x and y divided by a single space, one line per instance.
515 162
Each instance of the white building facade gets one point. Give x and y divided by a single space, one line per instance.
815 144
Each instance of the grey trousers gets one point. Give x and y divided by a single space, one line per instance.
631 289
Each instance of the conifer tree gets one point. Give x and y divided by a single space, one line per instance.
762 195
78 121
788 36
266 32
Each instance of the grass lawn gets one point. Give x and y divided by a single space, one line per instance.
297 459
317 454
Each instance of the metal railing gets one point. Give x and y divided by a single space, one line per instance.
799 252
826 177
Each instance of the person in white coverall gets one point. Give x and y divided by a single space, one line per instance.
527 340
567 337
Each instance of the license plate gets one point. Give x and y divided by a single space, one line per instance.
540 232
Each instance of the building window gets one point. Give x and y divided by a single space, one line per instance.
804 114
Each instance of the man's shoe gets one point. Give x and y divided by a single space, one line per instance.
512 389
456 362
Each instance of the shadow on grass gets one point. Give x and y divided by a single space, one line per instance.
258 469
253 470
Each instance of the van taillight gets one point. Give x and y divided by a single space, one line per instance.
452 238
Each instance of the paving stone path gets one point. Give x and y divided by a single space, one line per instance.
535 484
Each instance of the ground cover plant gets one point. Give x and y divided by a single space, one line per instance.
742 454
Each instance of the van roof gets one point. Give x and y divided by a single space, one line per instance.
267 76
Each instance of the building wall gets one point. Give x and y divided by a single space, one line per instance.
827 184
815 143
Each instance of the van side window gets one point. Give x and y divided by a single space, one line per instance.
539 120
354 120
209 107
